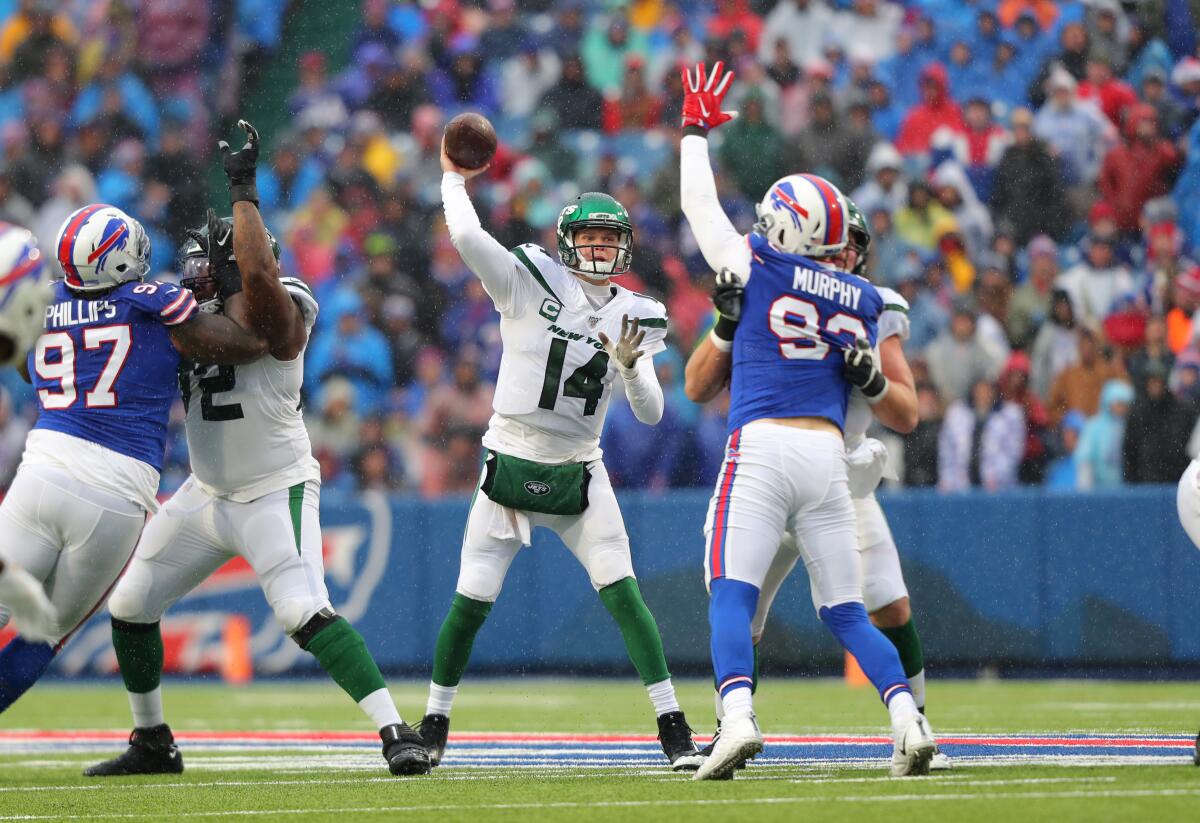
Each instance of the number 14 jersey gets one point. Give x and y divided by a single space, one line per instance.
555 377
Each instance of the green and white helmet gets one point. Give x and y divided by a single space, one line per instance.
593 210
860 237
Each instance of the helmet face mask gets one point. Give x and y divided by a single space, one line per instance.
194 267
591 214
859 238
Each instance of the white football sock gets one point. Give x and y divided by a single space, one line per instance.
662 695
738 702
720 706
441 698
903 709
147 708
917 684
380 707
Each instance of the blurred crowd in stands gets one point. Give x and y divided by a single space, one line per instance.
1030 170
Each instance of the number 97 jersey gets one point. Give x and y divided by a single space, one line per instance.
104 368
797 318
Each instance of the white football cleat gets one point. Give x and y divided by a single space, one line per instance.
914 749
740 740
940 762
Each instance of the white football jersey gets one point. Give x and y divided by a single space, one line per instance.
893 322
245 429
555 377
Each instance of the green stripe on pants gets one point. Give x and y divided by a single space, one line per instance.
296 506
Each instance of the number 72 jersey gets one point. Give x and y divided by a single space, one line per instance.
104 367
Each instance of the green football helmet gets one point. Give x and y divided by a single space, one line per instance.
193 266
860 237
589 211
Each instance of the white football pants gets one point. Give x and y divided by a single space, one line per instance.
776 480
278 534
495 534
74 537
883 580
1187 501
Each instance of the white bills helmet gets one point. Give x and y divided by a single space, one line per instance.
100 247
804 214
24 292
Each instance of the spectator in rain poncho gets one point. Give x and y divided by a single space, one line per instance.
955 193
885 188
1099 457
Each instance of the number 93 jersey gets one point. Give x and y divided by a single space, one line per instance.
797 318
104 368
245 428
555 378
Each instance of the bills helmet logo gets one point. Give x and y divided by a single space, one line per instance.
114 237
783 198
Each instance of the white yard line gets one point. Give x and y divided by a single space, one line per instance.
671 803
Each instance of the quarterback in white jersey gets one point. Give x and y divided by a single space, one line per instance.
254 492
569 333
884 592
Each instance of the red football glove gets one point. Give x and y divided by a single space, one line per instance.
702 96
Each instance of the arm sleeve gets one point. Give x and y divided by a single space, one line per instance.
643 391
483 254
720 243
164 302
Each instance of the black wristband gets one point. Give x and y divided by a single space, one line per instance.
725 328
697 131
244 192
875 387
229 280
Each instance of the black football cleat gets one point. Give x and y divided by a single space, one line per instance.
404 750
435 728
151 751
676 738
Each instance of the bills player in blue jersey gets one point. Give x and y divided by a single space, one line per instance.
104 368
805 337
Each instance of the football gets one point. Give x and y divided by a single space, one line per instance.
470 140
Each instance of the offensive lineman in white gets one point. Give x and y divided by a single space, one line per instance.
568 334
884 592
254 491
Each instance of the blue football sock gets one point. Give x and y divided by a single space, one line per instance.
878 658
21 664
730 611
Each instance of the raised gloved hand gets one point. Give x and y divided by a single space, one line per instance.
627 350
241 166
25 598
862 370
702 97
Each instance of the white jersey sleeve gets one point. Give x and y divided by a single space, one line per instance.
652 316
502 274
893 321
720 243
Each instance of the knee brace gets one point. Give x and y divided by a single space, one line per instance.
304 635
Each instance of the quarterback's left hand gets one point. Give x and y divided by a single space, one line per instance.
241 166
862 370
627 350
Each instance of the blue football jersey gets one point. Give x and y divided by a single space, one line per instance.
797 318
105 368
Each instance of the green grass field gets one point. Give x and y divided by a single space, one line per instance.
351 783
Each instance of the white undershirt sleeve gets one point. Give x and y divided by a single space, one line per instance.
642 390
495 267
720 243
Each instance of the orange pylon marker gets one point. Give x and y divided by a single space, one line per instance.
854 673
237 665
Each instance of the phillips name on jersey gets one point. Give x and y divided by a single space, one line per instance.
797 317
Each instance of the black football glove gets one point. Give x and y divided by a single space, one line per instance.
241 166
862 370
727 297
222 266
